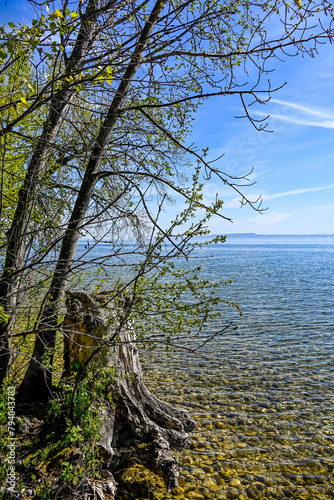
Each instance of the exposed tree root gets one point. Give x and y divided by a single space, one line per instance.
137 426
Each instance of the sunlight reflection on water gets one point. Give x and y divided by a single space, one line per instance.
263 396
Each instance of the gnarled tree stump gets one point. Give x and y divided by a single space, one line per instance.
138 426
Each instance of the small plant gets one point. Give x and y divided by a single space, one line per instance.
43 492
71 474
77 415
3 316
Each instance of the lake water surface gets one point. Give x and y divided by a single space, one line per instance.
263 393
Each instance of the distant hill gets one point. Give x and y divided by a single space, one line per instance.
267 238
245 236
254 235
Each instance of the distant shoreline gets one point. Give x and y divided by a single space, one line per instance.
255 235
238 236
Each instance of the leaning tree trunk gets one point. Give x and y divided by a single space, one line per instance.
138 426
15 258
36 375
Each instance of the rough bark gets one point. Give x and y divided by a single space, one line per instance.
16 236
36 375
15 258
138 426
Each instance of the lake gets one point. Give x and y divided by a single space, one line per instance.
263 393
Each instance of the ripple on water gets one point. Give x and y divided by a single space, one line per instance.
263 395
263 432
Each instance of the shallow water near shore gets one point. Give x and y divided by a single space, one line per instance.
263 393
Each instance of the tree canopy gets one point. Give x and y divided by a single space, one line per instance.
98 99
97 103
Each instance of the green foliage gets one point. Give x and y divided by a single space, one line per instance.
73 425
94 121
173 302
43 492
71 474
82 403
3 316
95 117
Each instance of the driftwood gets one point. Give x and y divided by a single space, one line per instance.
137 426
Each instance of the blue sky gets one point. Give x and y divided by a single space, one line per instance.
293 165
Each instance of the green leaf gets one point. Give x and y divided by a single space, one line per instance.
23 99
11 25
74 14
3 54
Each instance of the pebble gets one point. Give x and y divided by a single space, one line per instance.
194 495
220 481
253 493
220 425
208 469
240 451
178 490
232 493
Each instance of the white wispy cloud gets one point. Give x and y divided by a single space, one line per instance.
306 109
235 202
300 115
324 207
301 121
296 191
270 219
268 223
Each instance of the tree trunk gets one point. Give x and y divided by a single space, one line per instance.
137 426
15 258
36 375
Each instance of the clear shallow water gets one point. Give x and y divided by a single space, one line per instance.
263 394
